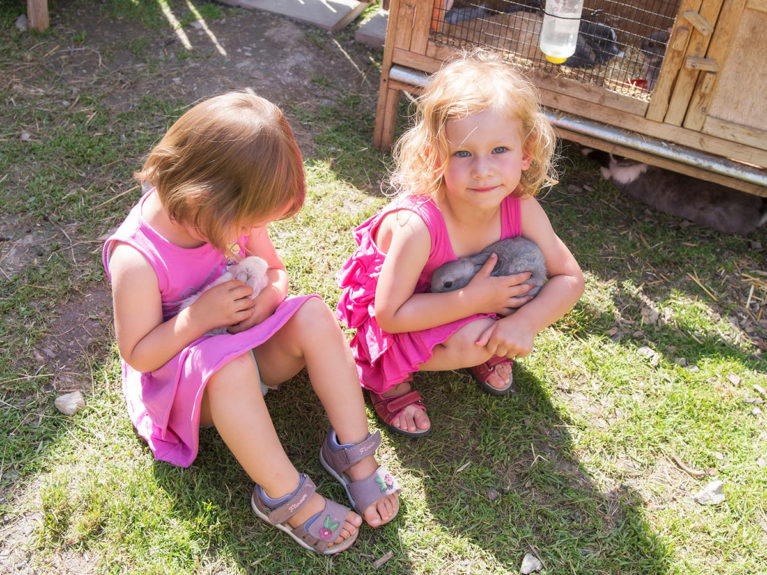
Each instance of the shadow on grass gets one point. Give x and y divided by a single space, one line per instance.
500 475
214 495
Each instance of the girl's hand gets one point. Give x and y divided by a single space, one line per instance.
507 338
499 295
223 305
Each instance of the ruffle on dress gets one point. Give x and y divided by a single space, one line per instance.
383 359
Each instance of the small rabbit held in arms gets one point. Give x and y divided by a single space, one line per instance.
250 270
515 255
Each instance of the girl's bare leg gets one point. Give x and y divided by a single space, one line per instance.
312 338
457 352
233 402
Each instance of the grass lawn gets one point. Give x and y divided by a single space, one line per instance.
651 388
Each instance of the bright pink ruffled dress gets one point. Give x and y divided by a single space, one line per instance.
164 405
385 359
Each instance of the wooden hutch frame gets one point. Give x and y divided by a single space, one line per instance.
706 117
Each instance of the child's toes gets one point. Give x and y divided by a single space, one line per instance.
382 511
350 527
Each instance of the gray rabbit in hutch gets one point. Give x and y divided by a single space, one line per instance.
515 255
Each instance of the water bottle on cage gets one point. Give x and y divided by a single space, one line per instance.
559 33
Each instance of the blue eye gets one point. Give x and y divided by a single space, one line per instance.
500 150
462 154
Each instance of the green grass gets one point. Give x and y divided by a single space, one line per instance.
657 363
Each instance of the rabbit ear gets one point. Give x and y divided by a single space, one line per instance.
478 260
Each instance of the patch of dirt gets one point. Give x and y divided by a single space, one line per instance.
298 67
294 65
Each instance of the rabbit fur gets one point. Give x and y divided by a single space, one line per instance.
250 270
707 204
515 255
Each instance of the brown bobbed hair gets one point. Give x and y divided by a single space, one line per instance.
228 161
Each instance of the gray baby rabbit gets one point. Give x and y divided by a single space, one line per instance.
515 255
654 47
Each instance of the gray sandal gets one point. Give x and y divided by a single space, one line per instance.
318 532
336 459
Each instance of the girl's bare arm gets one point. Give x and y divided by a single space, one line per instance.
407 242
146 342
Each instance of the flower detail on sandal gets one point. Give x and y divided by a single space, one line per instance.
384 483
328 527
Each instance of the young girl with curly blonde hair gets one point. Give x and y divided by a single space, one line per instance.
466 174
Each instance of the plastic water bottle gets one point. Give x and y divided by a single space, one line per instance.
559 33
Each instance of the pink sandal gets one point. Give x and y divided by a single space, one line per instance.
388 408
482 372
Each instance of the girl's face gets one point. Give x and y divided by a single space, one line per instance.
486 158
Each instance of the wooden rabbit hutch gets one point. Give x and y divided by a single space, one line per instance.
681 84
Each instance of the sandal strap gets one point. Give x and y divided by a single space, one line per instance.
367 491
496 360
483 370
324 528
389 407
343 458
293 505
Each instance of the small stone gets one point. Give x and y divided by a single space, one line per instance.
711 494
680 361
21 23
70 403
761 462
733 378
650 355
756 412
25 136
492 494
530 564
760 390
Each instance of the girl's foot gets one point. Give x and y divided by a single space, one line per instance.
371 489
495 376
312 521
383 510
413 418
315 505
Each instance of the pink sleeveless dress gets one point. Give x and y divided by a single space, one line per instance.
164 405
385 359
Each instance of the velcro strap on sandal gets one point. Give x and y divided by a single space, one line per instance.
396 404
293 505
343 458
367 491
326 526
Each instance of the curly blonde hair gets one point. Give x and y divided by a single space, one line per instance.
228 160
472 83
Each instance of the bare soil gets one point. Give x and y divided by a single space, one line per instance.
247 49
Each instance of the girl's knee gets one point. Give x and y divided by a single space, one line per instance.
241 372
462 344
315 314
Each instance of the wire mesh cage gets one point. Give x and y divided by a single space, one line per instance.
620 45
